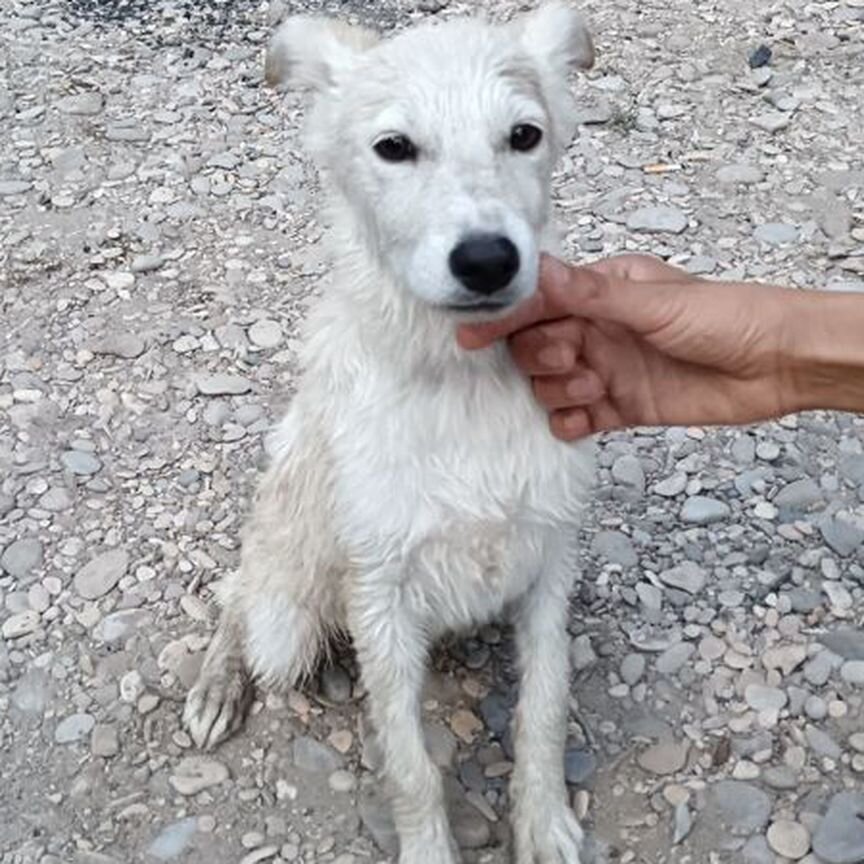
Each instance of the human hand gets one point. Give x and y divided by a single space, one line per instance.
632 341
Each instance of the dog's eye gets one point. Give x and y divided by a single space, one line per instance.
525 137
396 148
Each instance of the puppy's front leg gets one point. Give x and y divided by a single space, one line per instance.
545 830
392 645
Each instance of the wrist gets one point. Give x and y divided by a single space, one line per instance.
825 345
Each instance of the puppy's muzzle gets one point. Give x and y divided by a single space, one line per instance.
485 263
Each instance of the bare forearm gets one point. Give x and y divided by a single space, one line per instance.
828 351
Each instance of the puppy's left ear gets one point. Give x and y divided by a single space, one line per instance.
557 35
314 52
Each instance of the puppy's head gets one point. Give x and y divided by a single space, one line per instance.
442 142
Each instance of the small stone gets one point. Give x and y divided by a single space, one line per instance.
761 698
87 103
123 132
701 510
786 658
842 536
856 741
196 773
104 741
839 838
771 121
671 486
838 596
667 757
342 781
799 495
74 728
852 672
790 839
822 743
628 471
760 57
264 853
21 624
673 658
313 757
650 596
14 187
173 840
688 577
739 807
147 263
847 643
815 708
465 725
265 333
223 384
744 174
376 815
615 547
99 576
657 220
441 744
125 345
776 233
579 766
632 668
80 462
22 557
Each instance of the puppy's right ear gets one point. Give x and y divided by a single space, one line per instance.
313 52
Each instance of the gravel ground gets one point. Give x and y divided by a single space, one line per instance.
160 245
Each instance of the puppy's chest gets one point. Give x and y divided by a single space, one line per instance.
457 453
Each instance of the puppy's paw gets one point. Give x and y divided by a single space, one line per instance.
546 835
216 706
432 844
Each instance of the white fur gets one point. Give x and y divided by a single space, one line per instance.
415 487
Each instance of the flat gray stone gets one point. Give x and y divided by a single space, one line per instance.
799 495
776 233
701 510
86 104
772 121
265 333
688 577
616 547
99 576
22 558
845 642
762 698
147 263
80 462
133 134
173 840
125 345
822 743
657 220
739 807
742 173
223 384
650 596
674 657
377 819
21 624
196 773
842 536
74 728
667 757
627 471
313 757
632 668
14 187
852 672
839 838
120 625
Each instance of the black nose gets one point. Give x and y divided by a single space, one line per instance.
485 263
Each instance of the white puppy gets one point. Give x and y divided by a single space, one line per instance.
415 487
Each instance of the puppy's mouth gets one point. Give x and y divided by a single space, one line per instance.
479 308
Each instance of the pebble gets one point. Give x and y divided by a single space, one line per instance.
265 333
105 741
193 774
846 642
579 766
839 837
22 558
673 658
790 839
87 103
822 743
173 840
74 728
742 173
842 536
688 576
21 624
465 725
799 495
81 463
125 345
667 757
101 574
771 121
740 807
852 672
336 684
313 757
223 384
342 781
671 486
657 220
632 668
701 510
776 233
615 547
